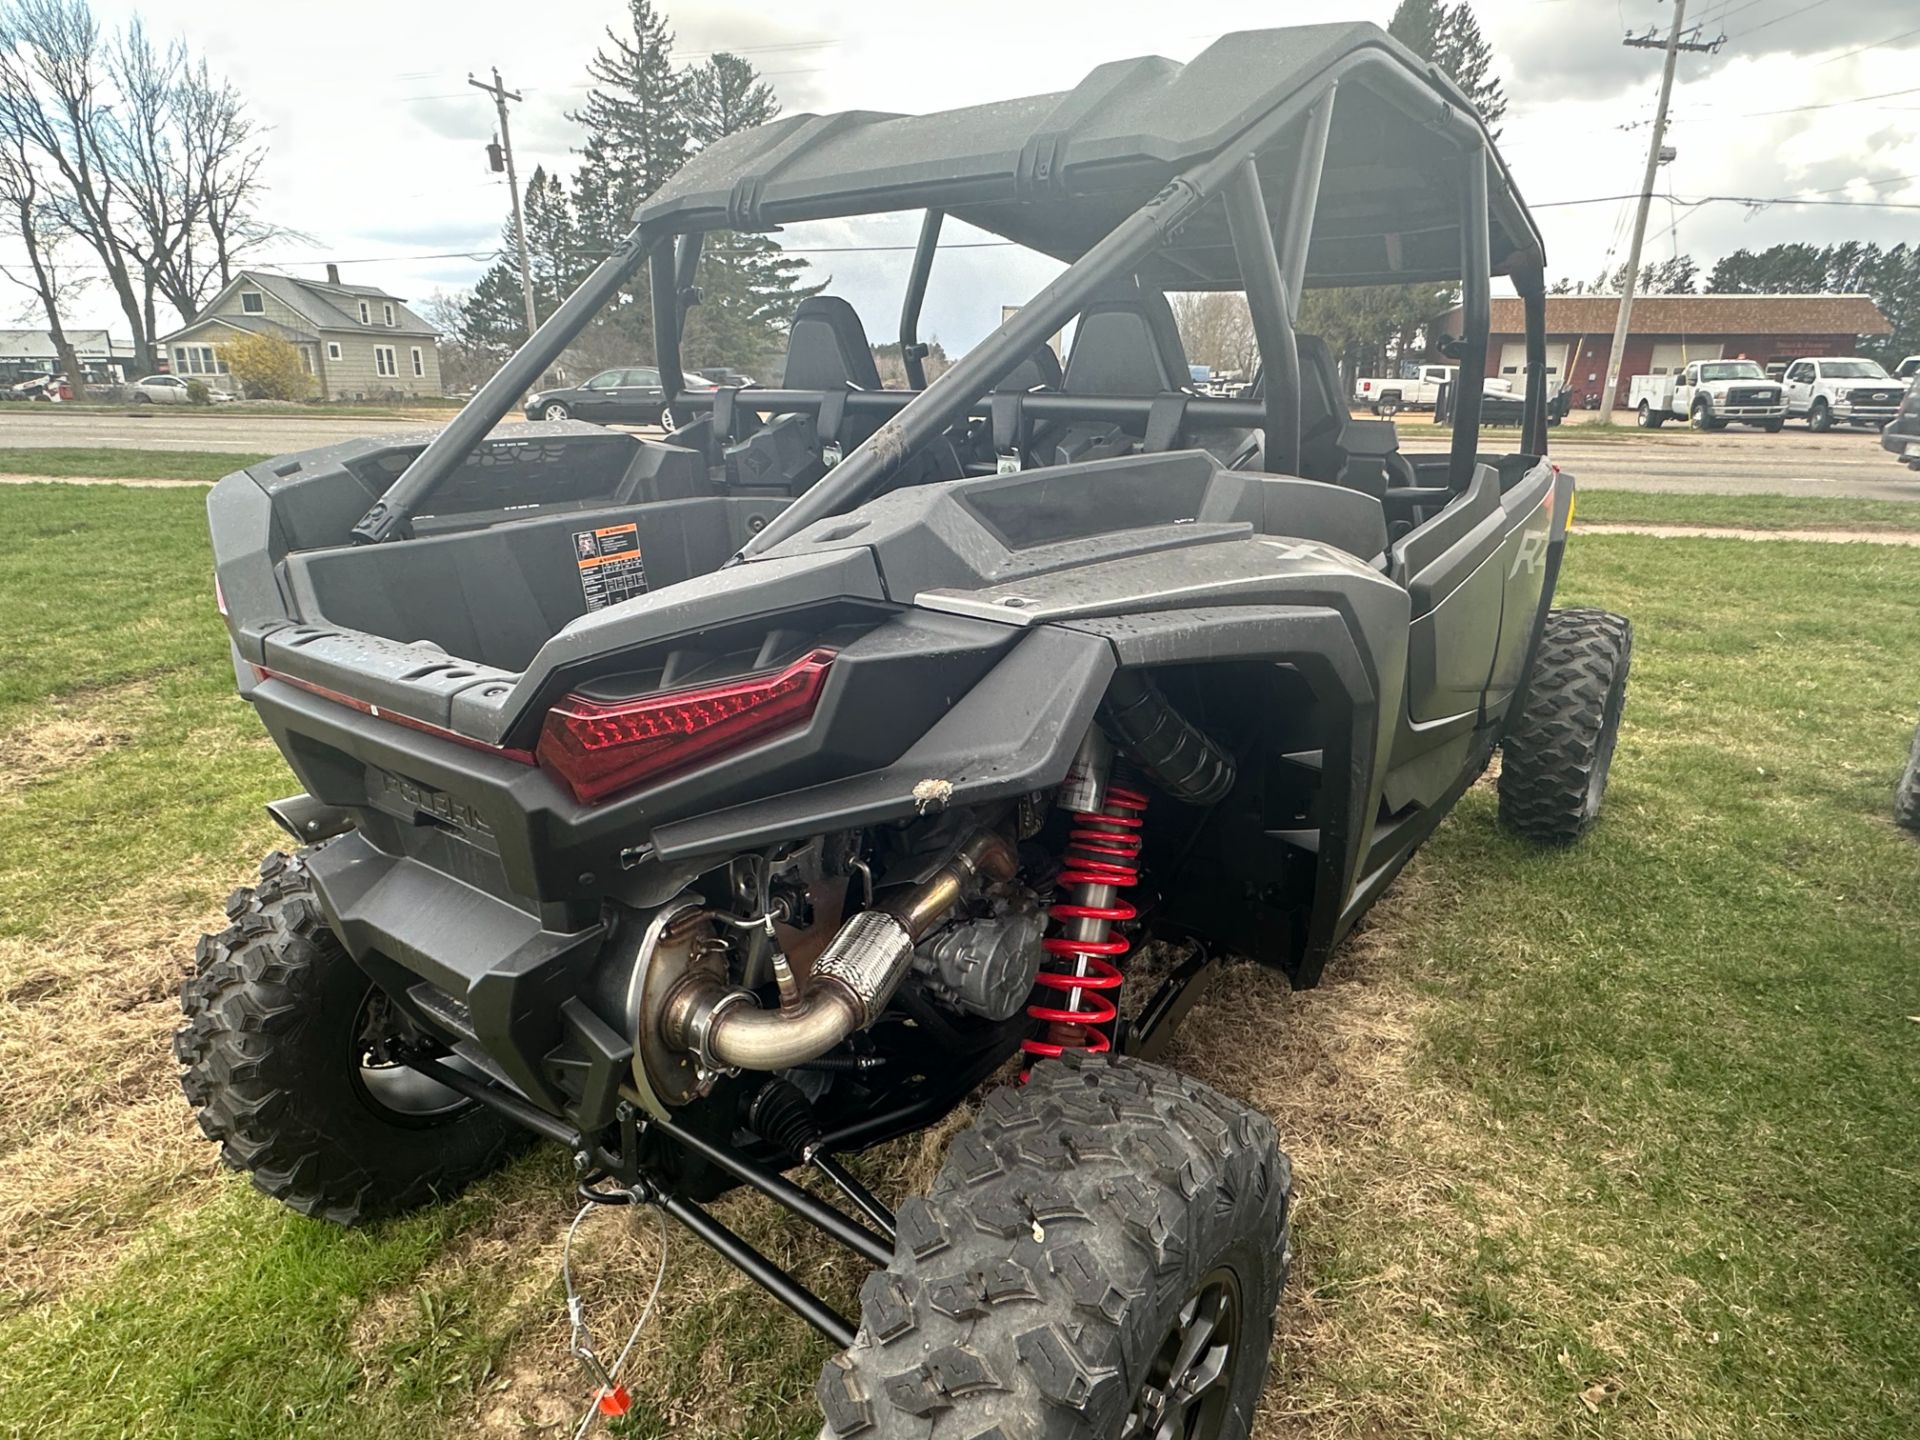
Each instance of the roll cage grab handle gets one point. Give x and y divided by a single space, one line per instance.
1273 275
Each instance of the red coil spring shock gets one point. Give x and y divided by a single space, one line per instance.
1103 850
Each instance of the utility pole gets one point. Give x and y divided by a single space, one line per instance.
501 95
1676 41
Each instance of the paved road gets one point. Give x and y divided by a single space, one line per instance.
150 428
1732 462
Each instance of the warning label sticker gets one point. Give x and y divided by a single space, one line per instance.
610 566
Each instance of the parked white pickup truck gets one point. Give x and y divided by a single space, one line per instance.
1711 394
1419 391
1841 390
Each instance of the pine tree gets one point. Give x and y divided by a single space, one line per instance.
748 285
724 95
556 254
1450 37
636 127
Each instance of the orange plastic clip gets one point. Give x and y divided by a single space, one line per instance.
614 1402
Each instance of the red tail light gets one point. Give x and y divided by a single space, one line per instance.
597 749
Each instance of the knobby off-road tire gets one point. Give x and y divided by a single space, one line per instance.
1559 748
272 1065
1906 799
1088 1223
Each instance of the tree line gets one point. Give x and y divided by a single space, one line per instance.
644 119
124 161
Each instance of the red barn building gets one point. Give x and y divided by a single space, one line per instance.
1669 330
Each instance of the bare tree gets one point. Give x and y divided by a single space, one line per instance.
1216 328
54 95
22 213
150 161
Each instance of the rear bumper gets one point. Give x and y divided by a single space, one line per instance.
1902 433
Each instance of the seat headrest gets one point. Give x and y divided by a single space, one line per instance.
1127 344
1323 409
1039 371
827 348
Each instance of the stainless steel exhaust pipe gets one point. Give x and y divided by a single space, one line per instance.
852 981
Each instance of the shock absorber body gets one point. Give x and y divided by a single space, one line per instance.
1077 996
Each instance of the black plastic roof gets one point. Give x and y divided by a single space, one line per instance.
1056 172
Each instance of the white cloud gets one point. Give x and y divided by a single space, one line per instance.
377 139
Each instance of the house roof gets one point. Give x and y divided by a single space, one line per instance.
1701 315
1057 172
256 324
325 306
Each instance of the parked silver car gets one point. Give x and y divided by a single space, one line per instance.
172 390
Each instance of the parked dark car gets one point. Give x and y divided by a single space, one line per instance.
1508 407
631 396
1901 438
727 375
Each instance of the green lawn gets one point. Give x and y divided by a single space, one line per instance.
1613 1142
1745 512
104 463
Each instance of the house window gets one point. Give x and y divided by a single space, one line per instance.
197 360
333 349
419 364
387 312
366 314
383 361
253 302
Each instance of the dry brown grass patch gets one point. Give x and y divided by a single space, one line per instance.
73 729
96 1134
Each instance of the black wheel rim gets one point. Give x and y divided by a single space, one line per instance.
1188 1390
1603 752
397 1093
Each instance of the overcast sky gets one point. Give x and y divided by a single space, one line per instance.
377 140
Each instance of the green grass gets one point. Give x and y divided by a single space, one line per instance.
105 463
1745 512
1654 1132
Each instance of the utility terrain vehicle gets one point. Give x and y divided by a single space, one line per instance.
722 805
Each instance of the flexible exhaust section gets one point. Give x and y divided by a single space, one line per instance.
852 981
1180 757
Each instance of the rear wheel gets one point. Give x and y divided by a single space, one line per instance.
276 1049
1559 748
667 422
1101 1256
1906 799
1646 419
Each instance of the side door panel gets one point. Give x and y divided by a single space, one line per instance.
1523 566
1456 599
594 400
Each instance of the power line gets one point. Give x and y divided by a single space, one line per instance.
1791 14
1890 40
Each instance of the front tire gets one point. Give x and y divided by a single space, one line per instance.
275 1067
1101 1256
1774 427
556 411
1559 747
1820 417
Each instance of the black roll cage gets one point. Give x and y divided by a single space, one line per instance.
1272 269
